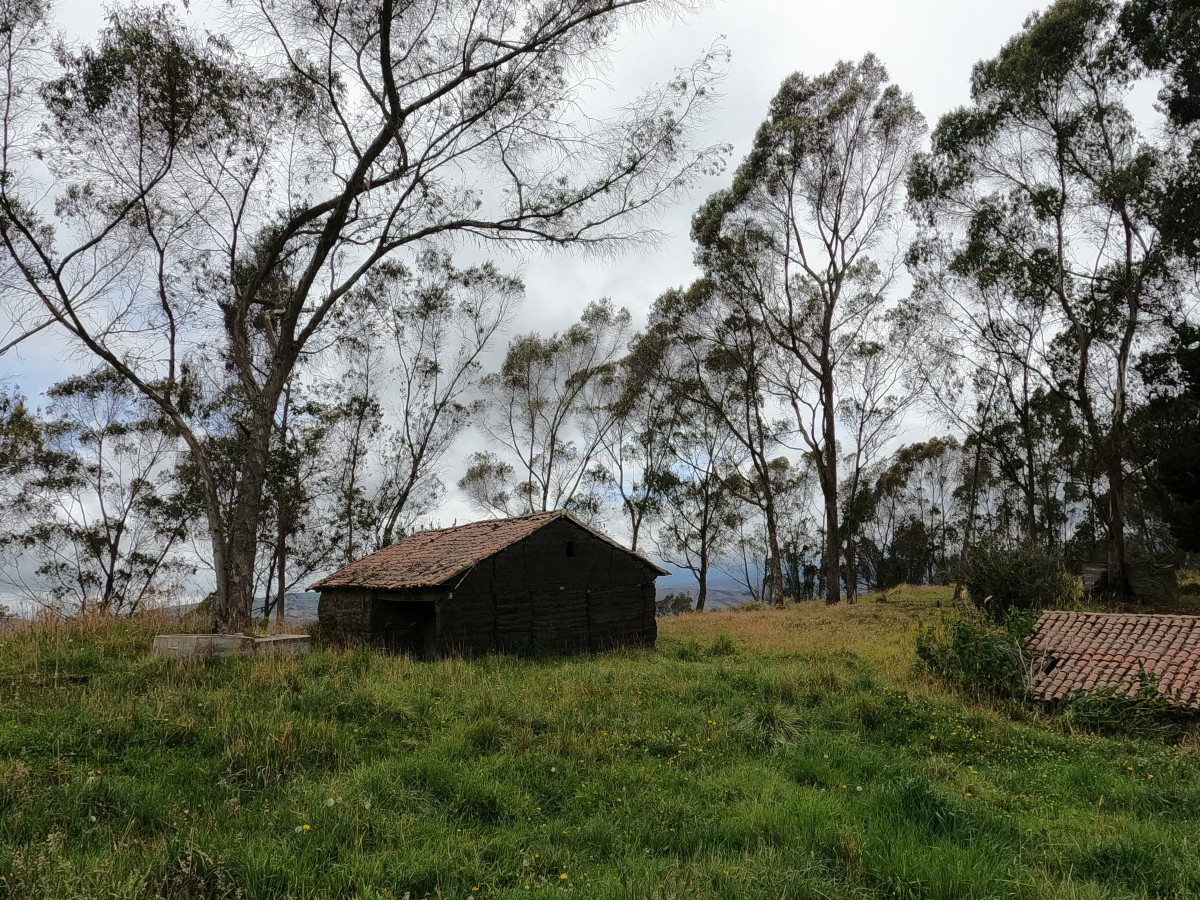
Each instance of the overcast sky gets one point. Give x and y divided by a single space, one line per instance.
929 47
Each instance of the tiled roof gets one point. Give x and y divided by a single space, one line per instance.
431 558
1072 652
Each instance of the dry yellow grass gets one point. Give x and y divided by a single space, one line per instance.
879 627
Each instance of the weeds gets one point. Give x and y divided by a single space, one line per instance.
982 659
1143 711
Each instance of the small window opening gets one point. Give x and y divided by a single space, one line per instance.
570 548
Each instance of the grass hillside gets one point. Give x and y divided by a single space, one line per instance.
767 754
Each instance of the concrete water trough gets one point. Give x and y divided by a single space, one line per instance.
193 646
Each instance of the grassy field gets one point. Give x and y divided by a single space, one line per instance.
770 754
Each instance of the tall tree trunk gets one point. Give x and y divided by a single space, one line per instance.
281 603
1118 571
702 583
829 486
235 546
969 524
284 515
775 563
232 609
1030 485
833 546
851 571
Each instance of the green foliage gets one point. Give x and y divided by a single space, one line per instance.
141 131
1145 712
1168 425
1019 195
149 67
1165 34
1005 579
21 440
983 659
97 508
549 410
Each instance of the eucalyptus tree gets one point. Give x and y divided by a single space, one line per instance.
439 324
20 436
296 532
1167 429
1047 193
1165 37
878 387
700 517
719 364
551 407
21 440
636 450
985 374
214 197
918 507
99 521
804 232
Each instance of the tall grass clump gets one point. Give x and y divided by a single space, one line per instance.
979 657
770 725
1141 711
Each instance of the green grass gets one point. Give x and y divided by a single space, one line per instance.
770 754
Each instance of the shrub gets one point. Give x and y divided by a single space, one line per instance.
1001 580
674 604
980 657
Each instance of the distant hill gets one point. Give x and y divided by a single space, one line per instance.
723 591
302 606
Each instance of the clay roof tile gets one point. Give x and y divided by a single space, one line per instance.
432 558
1109 650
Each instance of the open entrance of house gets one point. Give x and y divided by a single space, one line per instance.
404 626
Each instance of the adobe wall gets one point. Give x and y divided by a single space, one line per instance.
533 595
346 613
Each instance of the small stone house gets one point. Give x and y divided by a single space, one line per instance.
544 581
1074 652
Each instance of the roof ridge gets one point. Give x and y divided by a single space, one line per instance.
436 556
477 523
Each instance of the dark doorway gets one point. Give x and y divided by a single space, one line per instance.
404 626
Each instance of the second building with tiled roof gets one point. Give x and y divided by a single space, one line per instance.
1076 652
